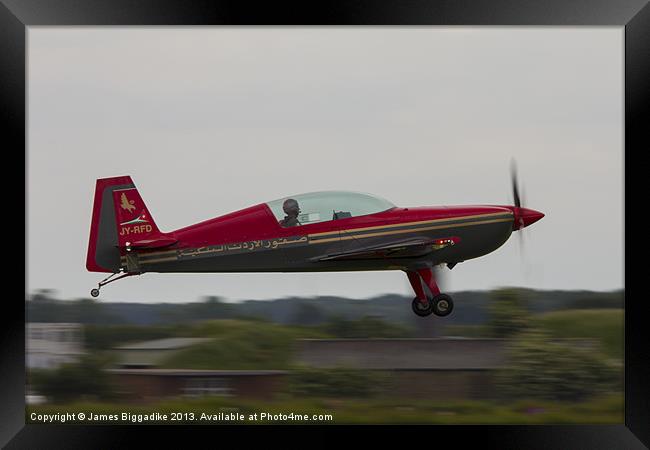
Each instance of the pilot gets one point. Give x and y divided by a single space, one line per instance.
291 209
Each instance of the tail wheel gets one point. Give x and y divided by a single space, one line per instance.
442 305
420 308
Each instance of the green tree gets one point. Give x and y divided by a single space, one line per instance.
43 295
307 314
43 307
84 379
541 368
211 308
87 311
508 313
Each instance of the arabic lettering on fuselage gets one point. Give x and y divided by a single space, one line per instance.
247 245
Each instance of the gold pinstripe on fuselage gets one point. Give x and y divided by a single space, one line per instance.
415 223
409 230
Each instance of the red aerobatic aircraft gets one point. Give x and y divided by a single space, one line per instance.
320 231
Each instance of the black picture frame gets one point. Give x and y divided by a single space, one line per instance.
633 15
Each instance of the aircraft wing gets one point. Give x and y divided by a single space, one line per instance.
404 248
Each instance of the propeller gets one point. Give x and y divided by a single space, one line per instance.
519 222
515 194
521 232
523 216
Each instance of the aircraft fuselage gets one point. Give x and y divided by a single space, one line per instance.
226 245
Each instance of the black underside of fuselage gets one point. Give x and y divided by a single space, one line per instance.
302 253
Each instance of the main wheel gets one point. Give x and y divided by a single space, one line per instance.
95 292
442 305
420 308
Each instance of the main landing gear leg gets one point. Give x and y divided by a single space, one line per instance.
441 304
421 304
430 280
110 279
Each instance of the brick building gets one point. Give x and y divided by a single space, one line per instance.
432 368
138 375
151 384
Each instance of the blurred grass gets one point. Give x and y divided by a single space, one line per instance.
604 410
606 325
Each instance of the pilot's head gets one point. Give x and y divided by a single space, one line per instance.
290 207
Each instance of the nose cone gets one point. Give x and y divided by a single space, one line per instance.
528 216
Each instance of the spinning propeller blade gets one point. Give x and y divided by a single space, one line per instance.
515 194
522 215
515 188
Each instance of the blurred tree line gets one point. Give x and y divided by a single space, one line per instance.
471 308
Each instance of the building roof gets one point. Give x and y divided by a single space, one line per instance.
194 372
403 354
163 344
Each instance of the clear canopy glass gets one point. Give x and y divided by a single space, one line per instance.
316 207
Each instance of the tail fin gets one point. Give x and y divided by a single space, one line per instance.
120 219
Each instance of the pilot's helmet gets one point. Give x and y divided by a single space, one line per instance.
290 207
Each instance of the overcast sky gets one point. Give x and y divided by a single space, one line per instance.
211 120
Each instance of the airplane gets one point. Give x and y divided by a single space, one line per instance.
312 232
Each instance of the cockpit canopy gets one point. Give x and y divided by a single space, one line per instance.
328 205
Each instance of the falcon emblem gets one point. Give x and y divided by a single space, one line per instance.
127 204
